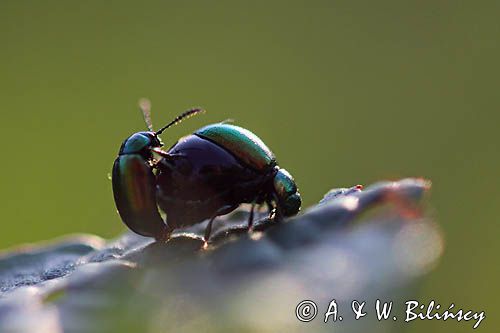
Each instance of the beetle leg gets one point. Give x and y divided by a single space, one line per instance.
208 230
165 234
270 208
165 154
278 214
250 217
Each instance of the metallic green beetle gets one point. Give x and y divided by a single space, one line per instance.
204 175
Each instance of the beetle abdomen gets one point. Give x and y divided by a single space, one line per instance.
203 178
245 145
135 195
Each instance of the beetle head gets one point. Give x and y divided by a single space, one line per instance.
141 143
287 193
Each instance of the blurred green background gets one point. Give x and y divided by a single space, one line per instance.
344 93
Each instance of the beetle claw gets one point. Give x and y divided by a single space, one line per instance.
164 235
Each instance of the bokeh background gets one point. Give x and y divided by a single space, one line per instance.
344 93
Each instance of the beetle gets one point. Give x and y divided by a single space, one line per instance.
203 175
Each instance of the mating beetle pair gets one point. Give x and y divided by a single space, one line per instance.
204 175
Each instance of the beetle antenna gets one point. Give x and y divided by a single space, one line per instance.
227 121
181 117
145 107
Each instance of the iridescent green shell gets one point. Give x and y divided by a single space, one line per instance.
242 143
287 192
135 143
135 195
284 183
